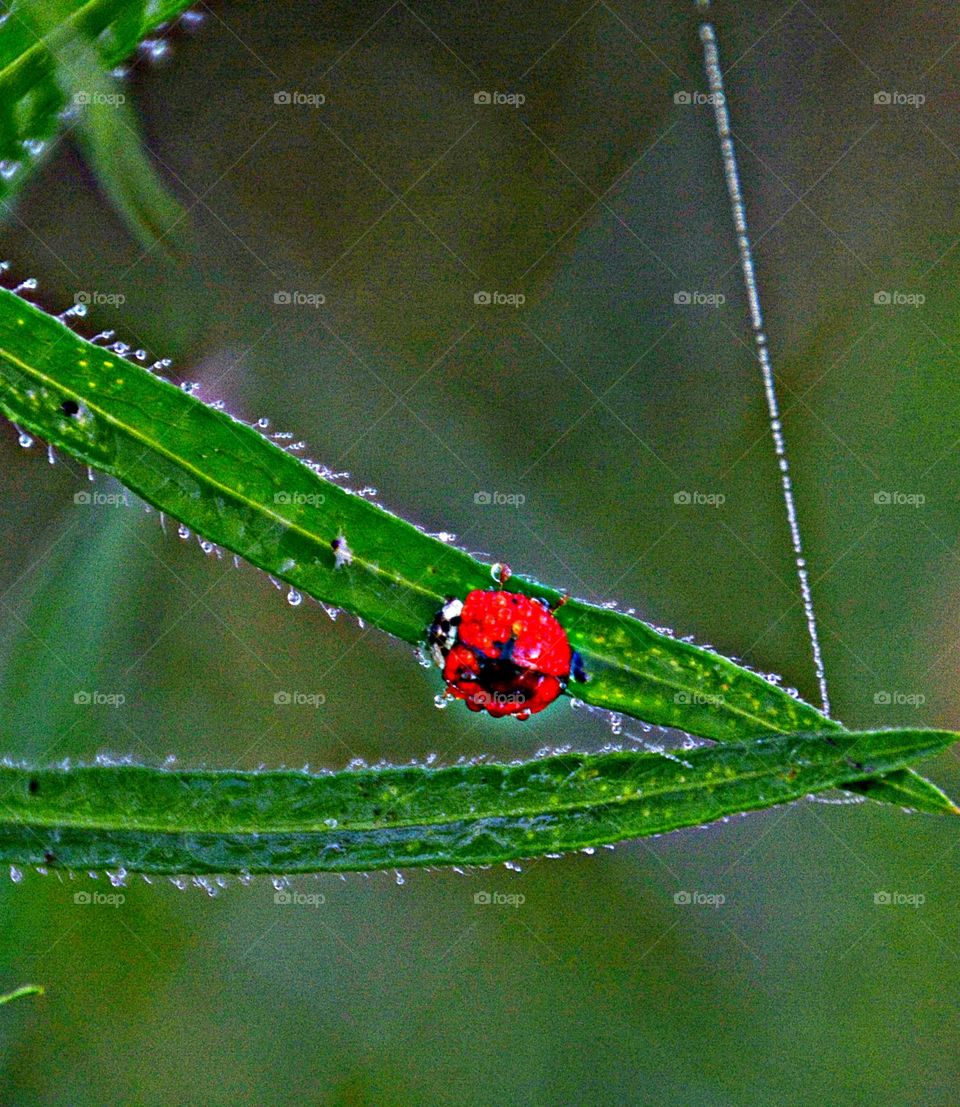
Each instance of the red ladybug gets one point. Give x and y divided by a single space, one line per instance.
502 652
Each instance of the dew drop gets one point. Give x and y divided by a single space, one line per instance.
15 874
183 530
294 598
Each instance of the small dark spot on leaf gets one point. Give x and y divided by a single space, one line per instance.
49 858
70 407
34 786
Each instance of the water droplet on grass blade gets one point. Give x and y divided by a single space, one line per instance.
23 438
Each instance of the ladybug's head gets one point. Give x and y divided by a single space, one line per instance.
442 635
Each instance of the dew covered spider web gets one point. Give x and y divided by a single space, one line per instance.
731 171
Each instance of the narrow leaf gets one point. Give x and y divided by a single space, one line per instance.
228 483
19 993
37 93
161 821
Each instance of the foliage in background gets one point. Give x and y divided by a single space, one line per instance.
54 62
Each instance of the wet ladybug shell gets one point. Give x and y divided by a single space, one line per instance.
499 623
503 652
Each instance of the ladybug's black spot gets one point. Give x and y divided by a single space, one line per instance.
34 786
70 407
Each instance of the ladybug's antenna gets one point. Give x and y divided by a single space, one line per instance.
711 61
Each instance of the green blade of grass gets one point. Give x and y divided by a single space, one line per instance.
228 483
19 993
161 821
109 131
33 93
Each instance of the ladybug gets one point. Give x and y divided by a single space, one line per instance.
502 652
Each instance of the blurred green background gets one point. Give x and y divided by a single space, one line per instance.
598 199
